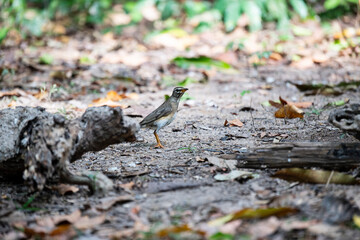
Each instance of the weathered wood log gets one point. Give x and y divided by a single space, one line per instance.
340 156
39 145
347 119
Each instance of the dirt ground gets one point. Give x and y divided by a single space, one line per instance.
175 186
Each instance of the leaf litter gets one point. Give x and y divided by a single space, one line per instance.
195 46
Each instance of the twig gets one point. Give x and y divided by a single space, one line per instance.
329 179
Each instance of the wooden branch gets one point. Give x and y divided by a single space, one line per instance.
339 156
39 145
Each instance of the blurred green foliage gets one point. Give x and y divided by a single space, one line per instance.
30 16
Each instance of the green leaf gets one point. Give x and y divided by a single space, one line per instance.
266 104
253 12
134 8
201 62
168 8
340 102
186 82
301 31
193 8
315 176
300 8
176 32
244 92
3 33
46 59
231 14
202 27
35 25
331 4
186 96
286 37
278 10
86 60
221 236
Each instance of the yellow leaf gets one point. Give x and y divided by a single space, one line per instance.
252 213
314 176
356 219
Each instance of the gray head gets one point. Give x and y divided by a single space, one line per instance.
178 92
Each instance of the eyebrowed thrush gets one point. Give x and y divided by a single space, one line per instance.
164 114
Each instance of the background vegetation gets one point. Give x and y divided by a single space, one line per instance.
31 17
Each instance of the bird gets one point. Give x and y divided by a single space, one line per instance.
164 114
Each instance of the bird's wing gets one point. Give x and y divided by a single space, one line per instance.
162 111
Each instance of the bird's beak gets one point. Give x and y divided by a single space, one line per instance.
184 90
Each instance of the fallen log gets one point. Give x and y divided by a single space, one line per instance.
38 145
347 119
340 156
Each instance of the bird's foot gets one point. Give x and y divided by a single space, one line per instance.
159 145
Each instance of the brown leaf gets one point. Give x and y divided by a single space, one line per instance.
228 57
233 123
71 218
275 104
15 92
200 159
275 56
107 203
283 101
306 62
42 94
264 228
66 189
251 213
301 104
262 134
320 58
127 186
111 99
166 232
64 229
85 222
288 110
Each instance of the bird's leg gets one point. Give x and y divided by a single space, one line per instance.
158 145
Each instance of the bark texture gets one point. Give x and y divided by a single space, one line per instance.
39 145
347 119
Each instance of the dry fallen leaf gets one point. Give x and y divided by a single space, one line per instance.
86 222
15 92
315 176
71 218
252 213
166 232
65 189
107 203
306 62
42 94
275 56
200 159
288 110
111 99
301 104
320 58
264 228
127 186
228 57
233 123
